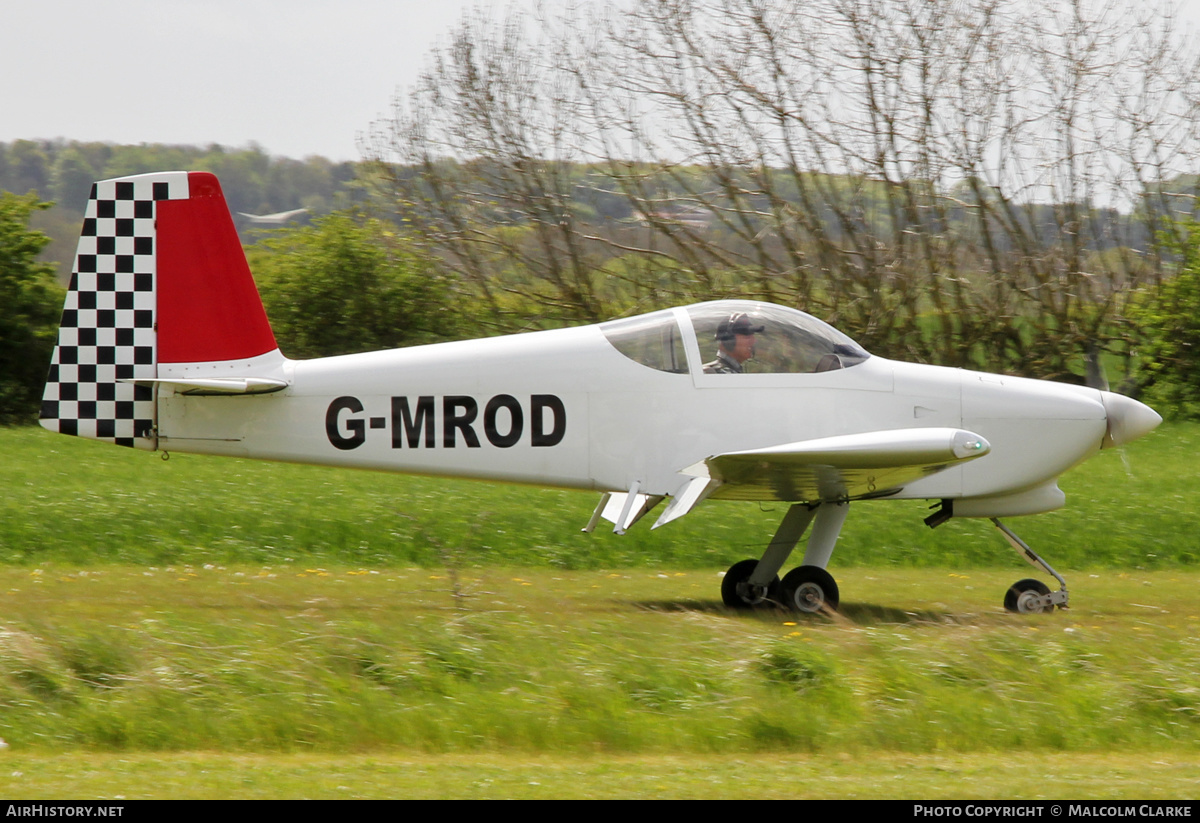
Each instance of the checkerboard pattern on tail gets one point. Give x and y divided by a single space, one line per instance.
107 334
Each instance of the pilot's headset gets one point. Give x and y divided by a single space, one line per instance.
737 323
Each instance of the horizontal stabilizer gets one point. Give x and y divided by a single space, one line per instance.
216 385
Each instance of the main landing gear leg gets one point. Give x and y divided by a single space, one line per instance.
753 583
830 518
807 588
1031 596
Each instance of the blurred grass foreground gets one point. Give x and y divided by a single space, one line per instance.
202 604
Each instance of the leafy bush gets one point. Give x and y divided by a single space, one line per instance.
348 284
30 302
1169 321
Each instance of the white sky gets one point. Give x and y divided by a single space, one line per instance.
299 77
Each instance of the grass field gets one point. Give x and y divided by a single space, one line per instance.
208 628
68 500
637 682
869 775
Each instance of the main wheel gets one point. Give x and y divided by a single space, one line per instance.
1024 597
736 591
810 589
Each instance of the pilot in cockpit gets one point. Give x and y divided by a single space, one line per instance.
735 338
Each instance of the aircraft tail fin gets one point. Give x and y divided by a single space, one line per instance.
160 289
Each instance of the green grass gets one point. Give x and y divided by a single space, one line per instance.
292 659
74 501
1027 775
218 628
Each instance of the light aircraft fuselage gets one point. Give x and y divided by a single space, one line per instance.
565 408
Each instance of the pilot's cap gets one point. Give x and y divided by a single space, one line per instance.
738 323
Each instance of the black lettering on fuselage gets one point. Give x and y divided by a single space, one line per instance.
453 421
539 404
414 424
516 421
402 418
357 428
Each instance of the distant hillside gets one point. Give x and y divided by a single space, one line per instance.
63 171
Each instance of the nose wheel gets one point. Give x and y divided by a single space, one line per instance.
1028 596
1031 596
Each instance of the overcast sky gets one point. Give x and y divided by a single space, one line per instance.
299 77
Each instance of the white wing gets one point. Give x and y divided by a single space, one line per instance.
846 467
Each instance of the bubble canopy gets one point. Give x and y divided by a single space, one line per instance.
786 341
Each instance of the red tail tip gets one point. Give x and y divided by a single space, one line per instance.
204 184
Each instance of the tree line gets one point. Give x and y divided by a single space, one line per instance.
988 184
62 171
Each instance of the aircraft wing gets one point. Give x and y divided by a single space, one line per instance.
846 467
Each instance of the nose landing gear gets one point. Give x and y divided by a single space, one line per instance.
1028 596
1031 596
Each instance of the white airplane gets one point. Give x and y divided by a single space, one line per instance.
276 219
164 344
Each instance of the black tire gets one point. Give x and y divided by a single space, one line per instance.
1014 602
810 589
739 573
